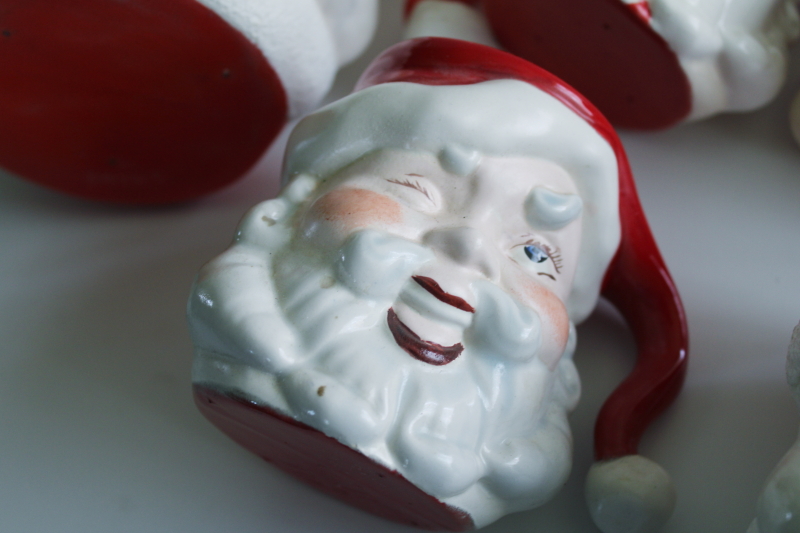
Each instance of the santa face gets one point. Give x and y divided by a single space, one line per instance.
500 224
419 319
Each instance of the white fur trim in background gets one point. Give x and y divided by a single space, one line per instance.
733 51
305 41
449 19
352 24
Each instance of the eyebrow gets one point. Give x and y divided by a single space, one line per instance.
412 185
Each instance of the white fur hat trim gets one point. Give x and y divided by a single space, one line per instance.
295 37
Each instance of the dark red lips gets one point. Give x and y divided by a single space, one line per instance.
432 287
425 351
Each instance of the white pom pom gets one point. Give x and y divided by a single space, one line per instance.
631 494
778 506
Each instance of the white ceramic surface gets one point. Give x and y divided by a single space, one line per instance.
449 429
469 192
98 431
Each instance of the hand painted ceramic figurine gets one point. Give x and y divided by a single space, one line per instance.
397 327
779 504
153 101
645 64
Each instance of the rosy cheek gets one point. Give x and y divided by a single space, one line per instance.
346 210
555 320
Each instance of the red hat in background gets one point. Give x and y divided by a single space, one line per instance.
155 101
645 65
604 48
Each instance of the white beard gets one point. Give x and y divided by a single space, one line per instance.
486 433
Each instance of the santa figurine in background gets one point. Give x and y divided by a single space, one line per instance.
778 509
397 327
155 101
645 64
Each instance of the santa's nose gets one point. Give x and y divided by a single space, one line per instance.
467 246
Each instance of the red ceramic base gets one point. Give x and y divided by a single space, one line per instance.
326 464
602 48
142 101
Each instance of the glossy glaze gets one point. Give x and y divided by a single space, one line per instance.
641 269
367 334
511 209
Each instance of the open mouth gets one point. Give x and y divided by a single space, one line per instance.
425 351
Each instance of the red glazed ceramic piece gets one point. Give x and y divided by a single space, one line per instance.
155 101
326 464
614 46
412 292
647 64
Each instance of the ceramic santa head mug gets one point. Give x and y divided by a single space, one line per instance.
397 327
645 64
154 101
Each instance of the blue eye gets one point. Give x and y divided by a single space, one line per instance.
536 254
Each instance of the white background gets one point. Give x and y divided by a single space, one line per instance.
98 432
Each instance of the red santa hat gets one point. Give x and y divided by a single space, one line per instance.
625 491
153 101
